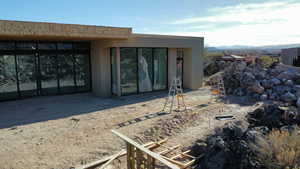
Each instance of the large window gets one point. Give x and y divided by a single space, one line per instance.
8 77
143 69
160 69
114 73
43 68
128 71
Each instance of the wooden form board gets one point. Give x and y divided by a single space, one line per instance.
150 145
146 160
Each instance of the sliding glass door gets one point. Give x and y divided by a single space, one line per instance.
27 74
43 68
143 69
49 73
145 66
160 68
129 71
8 77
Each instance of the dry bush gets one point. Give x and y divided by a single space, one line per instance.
279 150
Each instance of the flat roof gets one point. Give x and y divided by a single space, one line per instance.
23 29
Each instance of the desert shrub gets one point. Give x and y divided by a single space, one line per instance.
267 60
279 149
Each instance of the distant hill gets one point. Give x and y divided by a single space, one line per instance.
268 49
274 47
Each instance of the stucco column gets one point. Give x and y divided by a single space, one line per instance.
101 70
172 54
192 68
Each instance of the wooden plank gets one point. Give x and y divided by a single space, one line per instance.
139 159
145 150
97 163
169 150
180 155
109 161
181 165
128 147
189 163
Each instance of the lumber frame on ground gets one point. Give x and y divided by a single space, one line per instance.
150 145
151 156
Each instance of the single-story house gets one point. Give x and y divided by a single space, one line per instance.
38 59
291 56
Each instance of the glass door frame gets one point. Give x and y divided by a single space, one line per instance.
82 47
137 72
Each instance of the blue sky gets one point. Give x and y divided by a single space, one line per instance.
221 22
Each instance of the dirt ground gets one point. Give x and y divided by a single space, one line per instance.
62 132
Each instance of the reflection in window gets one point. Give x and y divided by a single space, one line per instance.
82 71
26 46
8 78
128 70
7 45
160 68
81 46
66 73
48 71
114 73
179 64
27 75
145 69
47 46
64 46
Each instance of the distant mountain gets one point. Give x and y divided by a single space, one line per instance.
269 47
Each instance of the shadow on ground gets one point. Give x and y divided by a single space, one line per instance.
240 100
22 112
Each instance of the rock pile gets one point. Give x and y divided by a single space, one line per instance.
275 83
230 147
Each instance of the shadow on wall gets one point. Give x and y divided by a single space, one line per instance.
22 112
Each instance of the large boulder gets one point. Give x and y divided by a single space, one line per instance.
288 97
275 81
256 88
289 75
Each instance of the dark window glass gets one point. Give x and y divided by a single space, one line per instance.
64 46
145 60
66 73
8 77
114 74
26 46
128 70
27 75
47 46
7 45
81 46
82 72
48 72
160 68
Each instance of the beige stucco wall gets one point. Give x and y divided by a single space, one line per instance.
193 59
172 54
101 69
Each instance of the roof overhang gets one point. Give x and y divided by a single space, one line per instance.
43 30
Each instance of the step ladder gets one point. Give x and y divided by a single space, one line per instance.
175 91
218 87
